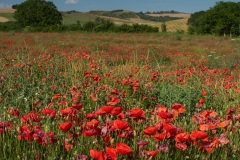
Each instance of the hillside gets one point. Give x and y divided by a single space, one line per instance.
6 14
7 10
180 15
122 14
174 21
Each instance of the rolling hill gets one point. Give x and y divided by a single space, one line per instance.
174 22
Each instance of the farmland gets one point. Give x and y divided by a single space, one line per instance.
119 96
131 18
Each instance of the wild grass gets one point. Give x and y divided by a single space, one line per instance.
49 79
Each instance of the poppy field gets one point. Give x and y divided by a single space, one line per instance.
119 96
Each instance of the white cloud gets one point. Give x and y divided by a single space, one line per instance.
71 1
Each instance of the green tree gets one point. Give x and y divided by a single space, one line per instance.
37 13
193 22
89 26
223 18
164 27
103 25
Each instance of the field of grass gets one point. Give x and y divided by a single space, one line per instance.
119 96
173 26
72 18
9 16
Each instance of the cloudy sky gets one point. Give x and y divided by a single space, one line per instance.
187 6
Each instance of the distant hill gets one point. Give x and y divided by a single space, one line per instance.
7 10
116 13
6 14
180 15
174 21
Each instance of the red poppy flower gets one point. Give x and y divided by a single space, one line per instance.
67 146
127 134
204 93
112 153
31 117
91 116
123 149
68 111
178 107
162 109
14 112
198 135
165 115
210 113
150 154
104 110
159 137
201 100
92 132
159 126
205 127
63 103
52 138
169 127
136 113
93 97
114 92
48 111
116 111
135 85
180 146
96 78
65 126
223 124
25 133
119 124
56 96
93 123
182 137
114 101
107 139
94 153
5 126
121 116
150 130
77 107
97 154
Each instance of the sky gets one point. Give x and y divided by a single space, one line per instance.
186 6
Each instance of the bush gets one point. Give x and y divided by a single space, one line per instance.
178 37
99 25
10 26
164 27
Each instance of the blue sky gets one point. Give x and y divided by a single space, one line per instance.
187 6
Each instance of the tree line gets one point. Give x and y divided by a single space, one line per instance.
99 25
222 19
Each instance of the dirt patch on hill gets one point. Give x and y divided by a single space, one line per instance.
3 19
180 15
7 10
